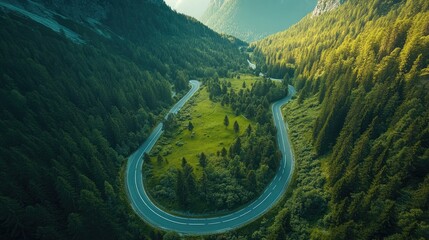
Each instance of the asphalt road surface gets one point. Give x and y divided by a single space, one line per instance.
158 218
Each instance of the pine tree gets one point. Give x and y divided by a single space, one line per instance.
146 158
226 121
236 127
160 159
190 126
224 152
181 191
184 162
203 160
236 148
251 181
249 130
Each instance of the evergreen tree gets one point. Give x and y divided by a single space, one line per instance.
188 174
160 159
190 126
203 160
249 130
236 147
224 152
226 121
251 181
171 236
184 162
236 127
146 158
181 190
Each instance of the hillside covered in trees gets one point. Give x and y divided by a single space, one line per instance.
72 112
367 64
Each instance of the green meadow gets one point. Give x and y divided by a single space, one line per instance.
237 84
209 134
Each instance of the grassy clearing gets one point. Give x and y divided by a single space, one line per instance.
237 84
209 133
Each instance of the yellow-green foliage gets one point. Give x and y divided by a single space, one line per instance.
366 62
309 199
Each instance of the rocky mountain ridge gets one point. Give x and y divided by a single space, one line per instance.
326 6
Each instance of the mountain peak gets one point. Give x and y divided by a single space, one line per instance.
326 6
216 3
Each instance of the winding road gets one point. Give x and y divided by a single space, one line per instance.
158 218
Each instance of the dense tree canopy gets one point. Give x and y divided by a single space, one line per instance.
71 114
367 63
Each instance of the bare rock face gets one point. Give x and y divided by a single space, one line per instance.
326 6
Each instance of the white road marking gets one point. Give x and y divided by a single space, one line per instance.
262 201
245 213
196 224
155 136
214 223
229 220
138 192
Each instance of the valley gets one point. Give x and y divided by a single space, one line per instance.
277 119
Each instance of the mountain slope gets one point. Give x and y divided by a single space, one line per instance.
143 25
194 8
251 20
71 111
365 66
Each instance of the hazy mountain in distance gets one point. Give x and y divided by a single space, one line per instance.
252 20
193 8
